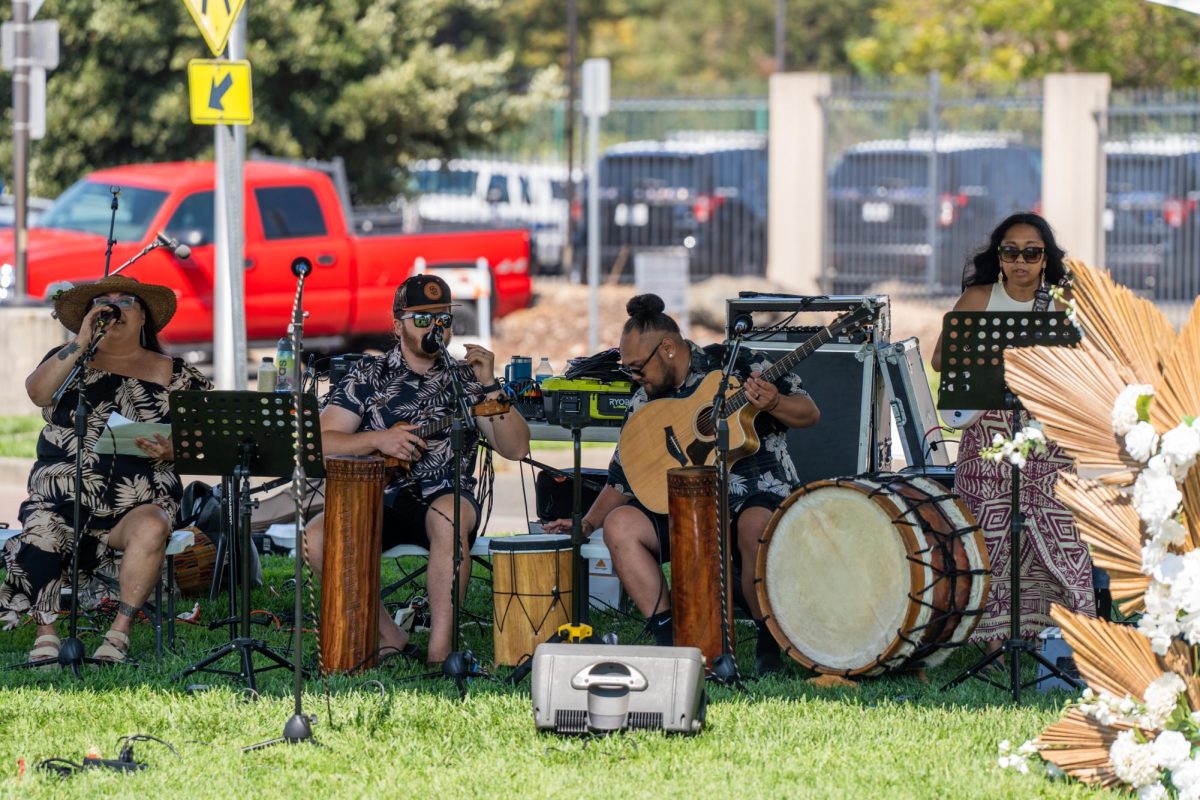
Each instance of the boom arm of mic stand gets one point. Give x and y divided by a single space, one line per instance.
154 245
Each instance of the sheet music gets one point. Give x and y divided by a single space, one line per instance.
120 432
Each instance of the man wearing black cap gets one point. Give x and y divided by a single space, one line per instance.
374 409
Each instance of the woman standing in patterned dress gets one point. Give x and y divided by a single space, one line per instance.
1054 564
129 502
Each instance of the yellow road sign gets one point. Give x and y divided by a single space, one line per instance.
215 20
220 92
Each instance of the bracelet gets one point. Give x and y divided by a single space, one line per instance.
494 386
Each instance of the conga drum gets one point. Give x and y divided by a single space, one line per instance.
350 565
532 581
692 499
864 575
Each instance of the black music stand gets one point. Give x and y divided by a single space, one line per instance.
973 345
242 434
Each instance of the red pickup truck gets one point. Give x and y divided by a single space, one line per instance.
290 211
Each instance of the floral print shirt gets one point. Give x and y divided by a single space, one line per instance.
384 390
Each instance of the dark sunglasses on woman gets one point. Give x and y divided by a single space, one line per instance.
1030 255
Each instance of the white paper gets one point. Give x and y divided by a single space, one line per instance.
121 432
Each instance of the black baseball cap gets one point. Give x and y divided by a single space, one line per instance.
422 293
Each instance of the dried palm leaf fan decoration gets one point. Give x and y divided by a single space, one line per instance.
1112 531
1079 745
1071 390
1177 397
1118 659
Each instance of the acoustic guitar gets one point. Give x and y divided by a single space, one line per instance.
681 432
488 408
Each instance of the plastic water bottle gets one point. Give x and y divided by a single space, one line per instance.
544 370
285 360
267 374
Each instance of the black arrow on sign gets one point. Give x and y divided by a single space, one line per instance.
218 90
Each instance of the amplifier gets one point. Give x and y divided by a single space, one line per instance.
582 688
586 402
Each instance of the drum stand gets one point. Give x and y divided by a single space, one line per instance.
243 434
962 334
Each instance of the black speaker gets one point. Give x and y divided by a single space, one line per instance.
554 492
853 435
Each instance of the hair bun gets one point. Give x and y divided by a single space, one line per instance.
645 306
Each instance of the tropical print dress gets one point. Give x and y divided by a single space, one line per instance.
38 561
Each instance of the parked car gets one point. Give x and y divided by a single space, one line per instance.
450 195
879 203
707 195
1151 191
289 212
34 208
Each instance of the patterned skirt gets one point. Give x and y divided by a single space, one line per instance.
1054 564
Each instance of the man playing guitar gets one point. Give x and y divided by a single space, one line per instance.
665 365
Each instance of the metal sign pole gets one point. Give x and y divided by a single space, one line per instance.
20 146
595 105
229 306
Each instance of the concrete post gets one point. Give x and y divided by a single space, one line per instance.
796 223
27 333
1073 163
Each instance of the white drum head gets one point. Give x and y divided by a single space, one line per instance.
837 578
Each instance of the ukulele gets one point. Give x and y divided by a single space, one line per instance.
488 408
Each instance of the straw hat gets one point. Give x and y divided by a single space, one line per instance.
72 305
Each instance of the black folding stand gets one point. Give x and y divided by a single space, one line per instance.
242 434
973 345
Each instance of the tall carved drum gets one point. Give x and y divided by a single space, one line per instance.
695 561
350 567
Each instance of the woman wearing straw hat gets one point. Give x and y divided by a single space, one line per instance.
128 501
1021 256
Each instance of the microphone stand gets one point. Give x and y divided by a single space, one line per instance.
154 245
724 666
71 652
298 728
112 224
460 665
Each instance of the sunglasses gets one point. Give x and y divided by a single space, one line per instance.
423 319
1030 255
639 370
124 303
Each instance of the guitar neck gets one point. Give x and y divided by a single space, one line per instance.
734 402
430 428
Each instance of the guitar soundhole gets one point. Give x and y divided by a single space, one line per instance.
704 423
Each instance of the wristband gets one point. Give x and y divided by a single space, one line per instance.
494 386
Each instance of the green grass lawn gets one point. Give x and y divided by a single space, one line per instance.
892 737
18 435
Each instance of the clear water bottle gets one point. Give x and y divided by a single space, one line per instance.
285 361
267 374
544 370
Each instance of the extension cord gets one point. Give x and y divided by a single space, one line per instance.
93 762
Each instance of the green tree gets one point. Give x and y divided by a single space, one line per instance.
378 82
1139 44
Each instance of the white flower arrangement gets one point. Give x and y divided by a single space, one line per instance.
1154 757
1059 293
1016 450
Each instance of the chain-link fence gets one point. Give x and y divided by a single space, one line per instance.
887 145
1151 224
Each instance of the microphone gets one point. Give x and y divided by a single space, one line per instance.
180 250
108 314
301 267
742 324
431 340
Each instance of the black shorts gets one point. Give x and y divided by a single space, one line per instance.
404 519
663 531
